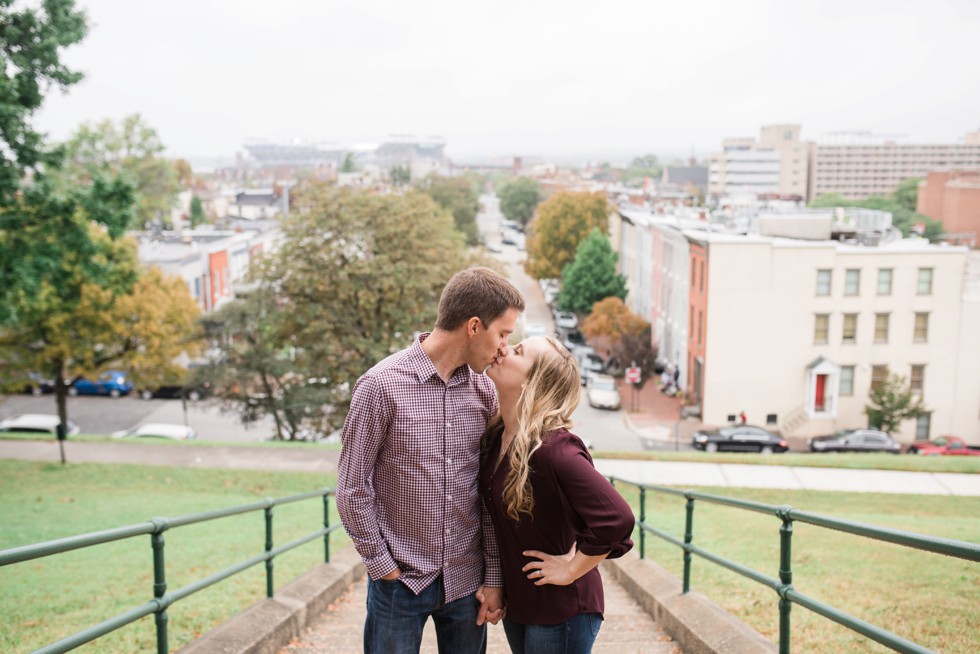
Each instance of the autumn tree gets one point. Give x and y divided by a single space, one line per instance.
519 198
32 39
891 403
133 150
561 223
459 197
612 327
591 276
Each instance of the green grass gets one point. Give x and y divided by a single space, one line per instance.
47 599
908 462
927 598
105 438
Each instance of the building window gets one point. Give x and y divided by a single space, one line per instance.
924 286
881 328
700 327
884 281
852 282
846 380
701 283
823 282
850 328
821 328
878 376
917 379
921 332
922 425
690 329
694 275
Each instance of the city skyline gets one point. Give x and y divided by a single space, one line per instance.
554 79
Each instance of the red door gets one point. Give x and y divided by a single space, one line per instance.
818 400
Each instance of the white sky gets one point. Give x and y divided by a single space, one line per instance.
524 77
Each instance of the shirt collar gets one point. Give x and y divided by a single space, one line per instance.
425 369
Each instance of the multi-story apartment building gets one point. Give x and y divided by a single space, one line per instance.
795 333
857 165
953 198
776 164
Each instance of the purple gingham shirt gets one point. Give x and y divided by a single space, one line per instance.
407 488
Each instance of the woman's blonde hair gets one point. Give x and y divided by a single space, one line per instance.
545 404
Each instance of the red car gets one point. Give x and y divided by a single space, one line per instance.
946 446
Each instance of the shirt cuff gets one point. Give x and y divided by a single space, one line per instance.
380 566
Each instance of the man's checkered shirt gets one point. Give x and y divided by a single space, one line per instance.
407 485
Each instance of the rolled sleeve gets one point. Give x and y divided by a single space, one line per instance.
363 435
607 517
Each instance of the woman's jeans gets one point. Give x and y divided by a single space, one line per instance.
396 617
573 636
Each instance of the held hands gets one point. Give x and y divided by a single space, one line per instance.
551 569
492 607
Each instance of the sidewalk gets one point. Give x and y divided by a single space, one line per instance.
653 415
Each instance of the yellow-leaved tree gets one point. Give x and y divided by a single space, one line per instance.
560 224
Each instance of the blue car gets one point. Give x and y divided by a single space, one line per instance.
113 383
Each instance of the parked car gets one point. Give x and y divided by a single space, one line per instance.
740 438
158 430
589 365
113 383
603 393
37 423
36 384
855 440
944 446
175 392
535 329
566 320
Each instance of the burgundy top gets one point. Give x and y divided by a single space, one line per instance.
573 503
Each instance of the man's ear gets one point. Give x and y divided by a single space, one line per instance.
472 326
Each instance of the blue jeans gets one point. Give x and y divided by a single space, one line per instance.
573 636
396 617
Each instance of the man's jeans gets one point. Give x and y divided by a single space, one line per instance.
396 617
573 636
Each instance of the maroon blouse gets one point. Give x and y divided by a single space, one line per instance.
573 503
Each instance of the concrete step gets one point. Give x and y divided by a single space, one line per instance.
627 629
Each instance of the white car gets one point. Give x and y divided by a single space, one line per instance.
566 320
40 423
158 430
535 329
603 393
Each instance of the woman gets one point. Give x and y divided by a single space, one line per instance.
556 518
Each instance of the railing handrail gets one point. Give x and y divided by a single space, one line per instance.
155 528
784 585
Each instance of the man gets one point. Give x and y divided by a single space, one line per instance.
407 485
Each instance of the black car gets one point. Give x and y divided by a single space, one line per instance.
739 438
855 440
175 392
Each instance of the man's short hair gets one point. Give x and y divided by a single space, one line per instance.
476 292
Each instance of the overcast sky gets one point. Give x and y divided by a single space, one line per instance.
596 79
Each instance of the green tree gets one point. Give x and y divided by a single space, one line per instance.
591 276
906 194
561 223
891 403
132 149
459 197
641 167
519 198
401 175
830 201
348 165
197 212
901 204
32 39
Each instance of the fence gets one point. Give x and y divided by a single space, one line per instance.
161 598
784 585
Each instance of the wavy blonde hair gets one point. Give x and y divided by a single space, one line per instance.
546 403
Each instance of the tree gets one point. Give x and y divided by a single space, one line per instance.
131 149
625 335
32 39
348 165
900 204
906 194
561 223
642 167
458 196
591 276
519 198
401 175
197 212
891 403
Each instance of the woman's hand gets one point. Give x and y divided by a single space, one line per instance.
555 569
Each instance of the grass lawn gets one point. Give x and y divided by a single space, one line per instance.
105 438
47 599
909 462
927 598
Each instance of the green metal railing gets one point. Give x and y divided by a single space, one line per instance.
784 584
161 598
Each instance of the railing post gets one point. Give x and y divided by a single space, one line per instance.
785 576
326 525
269 585
643 521
688 537
157 541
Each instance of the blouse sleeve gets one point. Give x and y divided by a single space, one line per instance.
607 517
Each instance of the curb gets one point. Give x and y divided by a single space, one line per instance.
695 623
268 625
